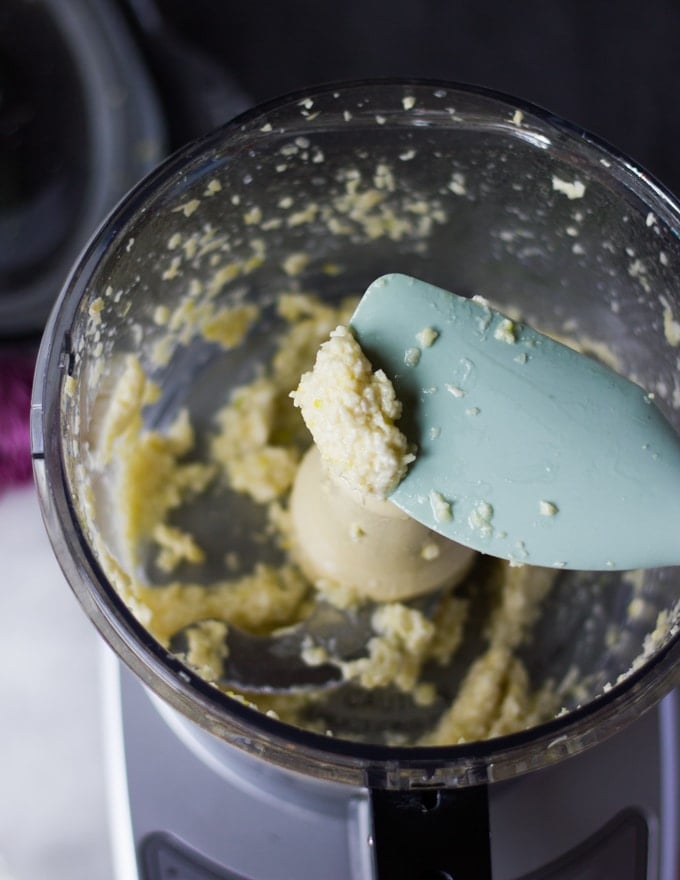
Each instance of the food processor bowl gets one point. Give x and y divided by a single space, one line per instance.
322 192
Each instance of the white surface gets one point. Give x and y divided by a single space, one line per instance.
53 814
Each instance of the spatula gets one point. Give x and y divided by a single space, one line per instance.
526 449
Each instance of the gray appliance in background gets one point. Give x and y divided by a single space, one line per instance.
93 93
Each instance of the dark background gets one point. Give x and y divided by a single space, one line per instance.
610 67
81 81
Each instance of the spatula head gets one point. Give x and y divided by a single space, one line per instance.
526 449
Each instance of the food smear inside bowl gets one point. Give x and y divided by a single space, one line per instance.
192 466
254 449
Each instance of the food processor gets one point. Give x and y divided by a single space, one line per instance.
322 192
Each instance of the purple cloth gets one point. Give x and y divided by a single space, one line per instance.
16 377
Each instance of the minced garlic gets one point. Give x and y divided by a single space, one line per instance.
351 413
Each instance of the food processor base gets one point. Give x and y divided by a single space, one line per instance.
613 811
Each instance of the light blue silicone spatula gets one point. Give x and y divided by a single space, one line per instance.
527 450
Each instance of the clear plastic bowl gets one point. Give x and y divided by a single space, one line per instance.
476 192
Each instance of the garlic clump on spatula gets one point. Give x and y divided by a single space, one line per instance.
351 412
345 529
